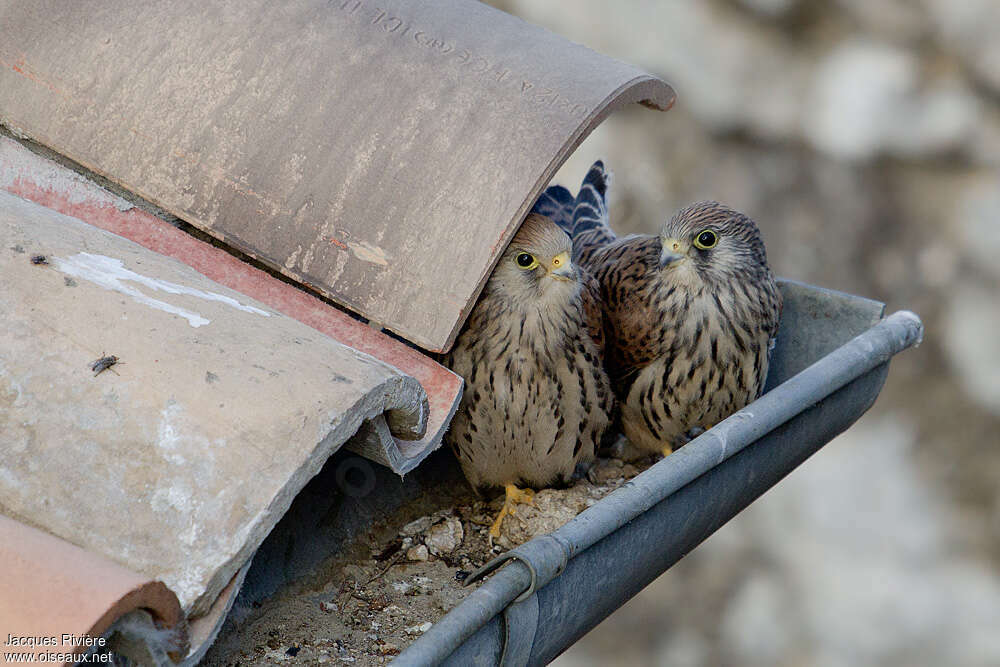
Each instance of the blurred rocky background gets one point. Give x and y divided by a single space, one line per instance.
864 137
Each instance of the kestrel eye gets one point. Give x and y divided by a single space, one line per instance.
525 261
556 262
706 240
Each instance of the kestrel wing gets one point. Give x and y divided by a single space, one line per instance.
633 331
593 311
557 203
591 230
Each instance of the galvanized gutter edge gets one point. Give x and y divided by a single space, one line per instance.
536 563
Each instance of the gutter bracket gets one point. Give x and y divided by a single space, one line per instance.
520 621
545 557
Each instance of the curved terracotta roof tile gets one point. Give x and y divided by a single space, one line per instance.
57 187
178 460
51 588
370 150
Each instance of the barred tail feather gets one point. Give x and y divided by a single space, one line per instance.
557 203
590 214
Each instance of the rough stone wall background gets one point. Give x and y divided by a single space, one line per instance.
864 137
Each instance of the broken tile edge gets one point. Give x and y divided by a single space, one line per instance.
394 393
204 630
374 441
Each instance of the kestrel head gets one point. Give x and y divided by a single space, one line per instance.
536 264
713 242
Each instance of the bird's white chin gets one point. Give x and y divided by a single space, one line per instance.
557 288
681 272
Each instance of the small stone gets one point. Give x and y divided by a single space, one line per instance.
276 657
445 537
329 607
418 629
551 509
417 554
605 470
417 526
388 649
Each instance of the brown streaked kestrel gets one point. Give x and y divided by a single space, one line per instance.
537 400
690 314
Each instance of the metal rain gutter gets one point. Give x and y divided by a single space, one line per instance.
574 577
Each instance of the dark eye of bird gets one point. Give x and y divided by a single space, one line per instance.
706 239
524 260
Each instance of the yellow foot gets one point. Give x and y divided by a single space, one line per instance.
514 496
682 439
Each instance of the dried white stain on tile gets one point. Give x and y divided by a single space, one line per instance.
176 497
177 500
174 436
338 268
187 584
369 253
9 479
11 390
291 170
361 164
110 273
167 436
189 536
293 257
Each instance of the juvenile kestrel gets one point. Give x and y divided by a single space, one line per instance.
537 399
690 315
